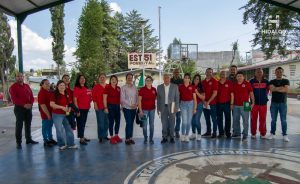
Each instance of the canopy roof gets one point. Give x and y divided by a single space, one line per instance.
26 7
289 4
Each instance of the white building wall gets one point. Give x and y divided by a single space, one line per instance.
291 72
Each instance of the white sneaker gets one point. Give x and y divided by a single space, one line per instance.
285 138
73 147
187 138
253 136
193 137
199 137
263 137
63 147
182 138
271 136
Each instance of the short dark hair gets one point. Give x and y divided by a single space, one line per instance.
187 74
240 72
233 66
209 69
279 68
128 75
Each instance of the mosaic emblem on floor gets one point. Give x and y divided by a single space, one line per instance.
220 166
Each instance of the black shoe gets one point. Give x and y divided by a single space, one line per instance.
214 136
244 138
48 144
106 138
164 140
52 141
100 141
220 136
236 136
127 142
145 141
19 146
228 136
177 135
172 140
31 142
83 142
131 141
207 134
87 140
151 142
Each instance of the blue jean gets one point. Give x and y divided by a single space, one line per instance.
102 123
196 119
282 109
186 108
224 109
150 115
64 132
114 117
81 121
178 121
238 111
47 129
129 115
211 113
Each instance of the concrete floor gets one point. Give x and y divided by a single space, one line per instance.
194 162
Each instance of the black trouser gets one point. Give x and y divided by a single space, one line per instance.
223 109
81 121
23 115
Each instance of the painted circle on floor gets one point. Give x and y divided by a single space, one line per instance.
220 166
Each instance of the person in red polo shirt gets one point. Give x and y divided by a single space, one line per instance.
59 102
242 90
82 100
224 104
210 86
188 105
71 117
112 101
102 119
44 96
22 97
147 97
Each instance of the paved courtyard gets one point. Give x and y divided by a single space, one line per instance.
205 161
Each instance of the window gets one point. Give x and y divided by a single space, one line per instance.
292 70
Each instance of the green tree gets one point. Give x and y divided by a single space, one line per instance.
189 67
89 38
260 13
7 60
109 40
121 37
57 32
133 33
235 47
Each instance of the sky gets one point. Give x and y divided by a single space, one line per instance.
212 24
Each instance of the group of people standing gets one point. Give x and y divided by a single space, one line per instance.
179 103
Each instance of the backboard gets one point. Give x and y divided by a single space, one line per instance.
184 52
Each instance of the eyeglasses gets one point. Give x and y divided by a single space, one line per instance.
149 80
